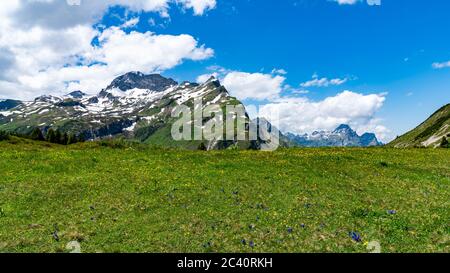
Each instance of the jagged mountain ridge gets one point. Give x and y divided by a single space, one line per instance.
428 134
138 80
342 136
134 105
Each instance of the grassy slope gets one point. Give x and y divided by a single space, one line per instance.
438 124
150 200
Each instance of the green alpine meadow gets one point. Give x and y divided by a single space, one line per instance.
116 196
224 135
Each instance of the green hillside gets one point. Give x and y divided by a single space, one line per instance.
428 134
112 197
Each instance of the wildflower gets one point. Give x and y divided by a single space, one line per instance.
355 236
290 230
55 236
251 244
392 212
55 232
244 242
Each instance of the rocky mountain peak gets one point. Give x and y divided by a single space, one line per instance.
345 130
369 139
48 99
132 80
76 95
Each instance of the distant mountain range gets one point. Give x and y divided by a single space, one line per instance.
342 136
430 133
138 107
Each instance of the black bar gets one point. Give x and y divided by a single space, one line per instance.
225 262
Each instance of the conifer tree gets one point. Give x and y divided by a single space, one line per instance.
72 139
4 136
51 136
58 137
64 139
37 135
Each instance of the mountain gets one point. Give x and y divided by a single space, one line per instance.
139 107
428 134
132 80
8 104
76 95
369 140
135 106
342 136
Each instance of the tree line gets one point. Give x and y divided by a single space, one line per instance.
52 136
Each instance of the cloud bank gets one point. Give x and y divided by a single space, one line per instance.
302 115
299 114
53 47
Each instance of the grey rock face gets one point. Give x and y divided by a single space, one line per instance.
131 80
369 139
76 95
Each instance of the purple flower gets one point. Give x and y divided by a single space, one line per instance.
392 212
355 236
290 230
243 241
251 244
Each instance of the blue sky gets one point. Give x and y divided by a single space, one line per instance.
382 54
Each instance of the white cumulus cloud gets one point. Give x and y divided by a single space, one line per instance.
199 6
302 115
46 46
256 86
244 85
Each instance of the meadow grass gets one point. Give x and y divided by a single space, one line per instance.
140 199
